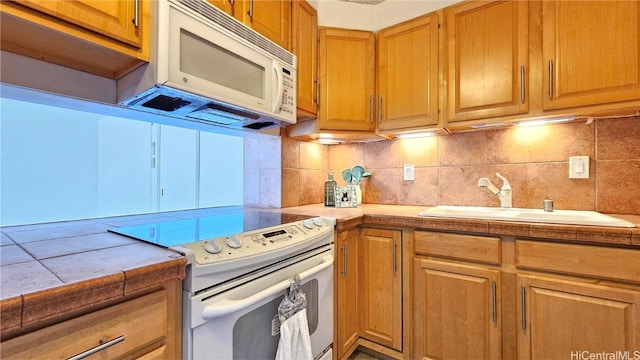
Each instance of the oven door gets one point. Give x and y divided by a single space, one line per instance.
242 322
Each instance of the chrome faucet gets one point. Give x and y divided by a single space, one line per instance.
503 194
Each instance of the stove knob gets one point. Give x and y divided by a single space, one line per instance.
308 223
318 221
212 247
233 242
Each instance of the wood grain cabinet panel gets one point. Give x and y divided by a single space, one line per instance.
347 297
271 18
456 311
585 63
305 47
224 5
347 80
408 79
136 328
487 57
559 318
116 19
483 249
380 287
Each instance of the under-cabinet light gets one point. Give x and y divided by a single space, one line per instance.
416 135
328 139
488 125
555 120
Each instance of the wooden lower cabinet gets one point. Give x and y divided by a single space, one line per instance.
146 327
346 275
560 319
456 311
380 287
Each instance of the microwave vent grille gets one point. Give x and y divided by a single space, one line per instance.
219 17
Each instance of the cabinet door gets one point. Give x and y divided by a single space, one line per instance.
456 311
224 5
305 47
271 18
118 20
591 52
486 62
408 74
381 287
347 79
562 319
126 331
347 295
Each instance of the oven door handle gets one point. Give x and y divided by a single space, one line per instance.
226 307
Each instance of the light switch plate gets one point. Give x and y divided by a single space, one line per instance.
409 172
578 167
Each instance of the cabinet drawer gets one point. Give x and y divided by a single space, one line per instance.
595 261
466 247
141 323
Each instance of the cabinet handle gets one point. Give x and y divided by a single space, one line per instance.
98 348
380 111
231 2
250 12
394 258
523 296
344 260
522 84
495 302
371 107
136 12
550 79
317 93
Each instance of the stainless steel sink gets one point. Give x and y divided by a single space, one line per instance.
572 217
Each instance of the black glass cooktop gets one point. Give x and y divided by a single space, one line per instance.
183 231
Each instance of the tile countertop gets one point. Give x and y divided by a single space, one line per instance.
407 216
51 270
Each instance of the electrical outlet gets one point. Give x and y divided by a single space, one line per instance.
409 172
578 167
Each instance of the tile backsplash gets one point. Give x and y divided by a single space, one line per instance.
535 160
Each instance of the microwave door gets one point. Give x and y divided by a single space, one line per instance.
208 61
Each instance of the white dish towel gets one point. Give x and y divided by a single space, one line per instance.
295 343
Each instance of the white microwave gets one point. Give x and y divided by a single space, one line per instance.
208 67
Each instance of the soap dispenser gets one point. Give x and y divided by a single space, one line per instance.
329 191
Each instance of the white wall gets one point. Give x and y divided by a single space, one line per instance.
349 15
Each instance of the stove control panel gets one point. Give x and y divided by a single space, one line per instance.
257 242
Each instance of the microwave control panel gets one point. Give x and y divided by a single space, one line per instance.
288 92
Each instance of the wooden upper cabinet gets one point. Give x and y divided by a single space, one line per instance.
118 20
347 79
103 37
486 59
305 47
408 78
271 18
224 5
591 52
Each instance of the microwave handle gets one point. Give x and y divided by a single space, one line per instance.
279 95
226 307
